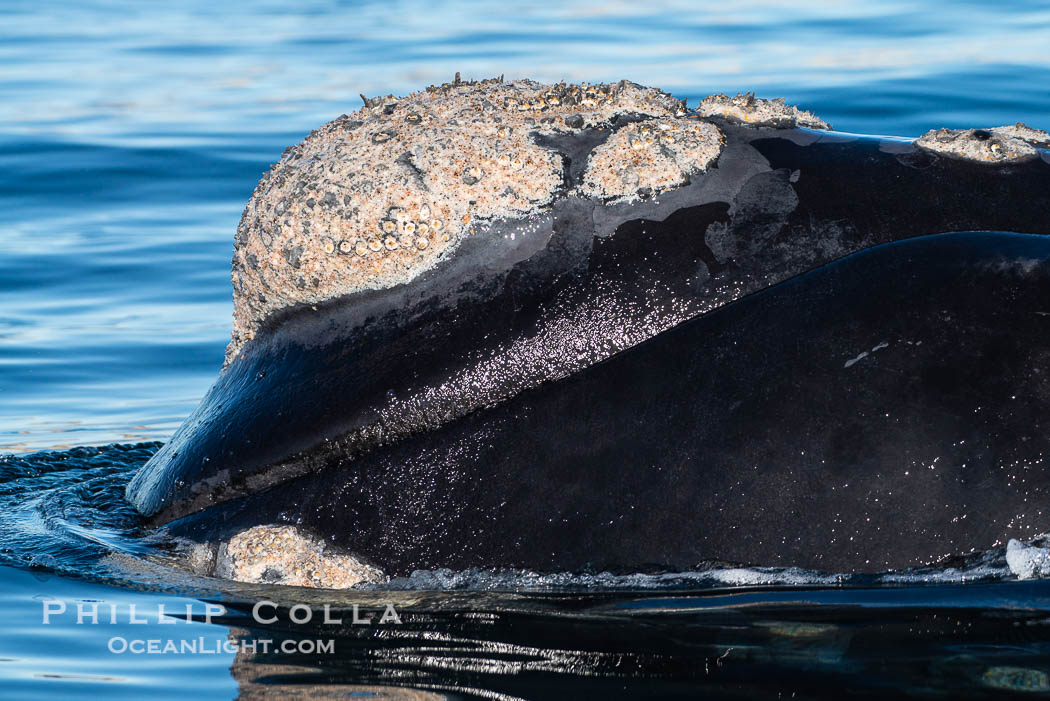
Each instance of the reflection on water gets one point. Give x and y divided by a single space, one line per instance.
947 642
728 645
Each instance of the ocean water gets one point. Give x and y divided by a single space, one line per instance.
131 135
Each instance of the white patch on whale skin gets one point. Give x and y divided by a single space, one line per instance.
864 354
285 555
850 363
1027 561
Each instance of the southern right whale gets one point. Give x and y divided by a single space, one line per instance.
428 258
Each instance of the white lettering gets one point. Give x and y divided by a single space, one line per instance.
390 615
88 611
163 618
135 621
301 607
53 607
212 610
357 619
258 606
328 616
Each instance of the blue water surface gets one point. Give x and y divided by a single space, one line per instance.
132 134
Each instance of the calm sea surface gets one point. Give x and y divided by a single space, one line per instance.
132 134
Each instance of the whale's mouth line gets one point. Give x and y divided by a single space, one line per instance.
330 453
222 488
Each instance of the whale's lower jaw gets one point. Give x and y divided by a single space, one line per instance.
881 412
